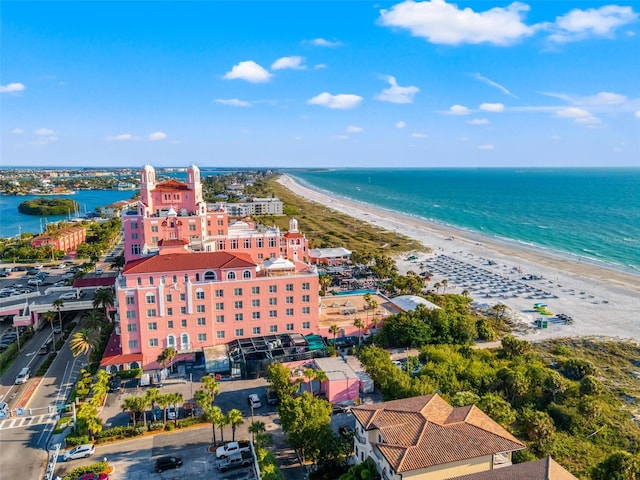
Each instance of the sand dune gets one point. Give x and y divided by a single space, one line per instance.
601 301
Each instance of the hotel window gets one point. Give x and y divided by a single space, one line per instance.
183 310
183 297
154 228
255 290
151 312
273 328
256 330
305 298
202 337
171 341
239 332
220 306
219 318
133 344
260 242
197 277
220 222
154 240
151 299
170 324
139 280
255 315
169 298
175 279
169 311
289 300
260 256
289 312
209 276
273 301
192 228
305 286
220 334
221 244
183 323
247 243
150 280
132 327
131 300
135 249
289 327
231 276
200 308
306 310
306 325
219 293
152 326
273 288
255 302
153 342
289 287
237 304
238 317
221 232
246 274
233 244
273 313
272 242
199 294
134 236
237 292
134 225
131 314
201 321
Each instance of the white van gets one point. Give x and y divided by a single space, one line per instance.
23 376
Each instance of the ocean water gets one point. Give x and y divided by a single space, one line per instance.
590 214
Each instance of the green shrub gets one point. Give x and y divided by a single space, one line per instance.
98 467
74 439
187 422
155 426
8 355
47 363
133 373
118 433
169 427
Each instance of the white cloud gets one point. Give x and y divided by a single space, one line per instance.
490 82
593 22
354 129
479 121
419 135
602 98
233 102
444 23
492 107
157 136
458 110
580 115
486 147
249 71
123 137
401 124
321 42
12 87
397 94
17 131
637 114
320 66
342 101
294 63
44 132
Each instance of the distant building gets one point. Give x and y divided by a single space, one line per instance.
257 206
329 256
117 209
66 239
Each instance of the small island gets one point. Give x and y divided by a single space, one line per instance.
48 206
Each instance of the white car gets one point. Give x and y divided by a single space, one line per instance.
81 451
171 412
68 296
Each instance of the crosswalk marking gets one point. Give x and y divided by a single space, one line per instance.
18 422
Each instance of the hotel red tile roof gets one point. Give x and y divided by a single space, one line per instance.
172 262
422 432
106 281
543 469
171 185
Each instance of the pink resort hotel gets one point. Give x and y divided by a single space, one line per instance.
195 281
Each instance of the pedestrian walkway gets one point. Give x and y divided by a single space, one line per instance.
19 422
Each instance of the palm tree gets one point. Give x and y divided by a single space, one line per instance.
93 320
118 263
131 404
176 398
82 342
50 316
104 298
163 402
325 281
321 376
234 418
212 387
58 304
465 293
359 324
445 282
334 329
310 374
167 356
216 417
437 287
223 421
150 397
256 428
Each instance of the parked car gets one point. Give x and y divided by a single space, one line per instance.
68 296
239 459
171 412
57 329
115 384
99 271
44 349
81 451
272 397
34 281
166 463
23 376
254 401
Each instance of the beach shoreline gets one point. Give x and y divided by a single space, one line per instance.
602 301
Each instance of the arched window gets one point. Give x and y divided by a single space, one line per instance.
186 278
246 274
175 279
163 280
231 276
139 281
209 275
171 341
150 280
134 365
197 277
184 341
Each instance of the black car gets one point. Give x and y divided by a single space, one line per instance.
166 463
115 384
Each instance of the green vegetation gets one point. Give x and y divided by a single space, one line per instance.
98 467
48 206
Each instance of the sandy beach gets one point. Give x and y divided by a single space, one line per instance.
602 302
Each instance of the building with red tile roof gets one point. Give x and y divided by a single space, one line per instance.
543 469
66 239
426 438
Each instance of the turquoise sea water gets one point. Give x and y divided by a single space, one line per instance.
593 214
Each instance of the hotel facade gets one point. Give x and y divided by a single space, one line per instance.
193 281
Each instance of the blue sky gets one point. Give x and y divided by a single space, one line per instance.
320 84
